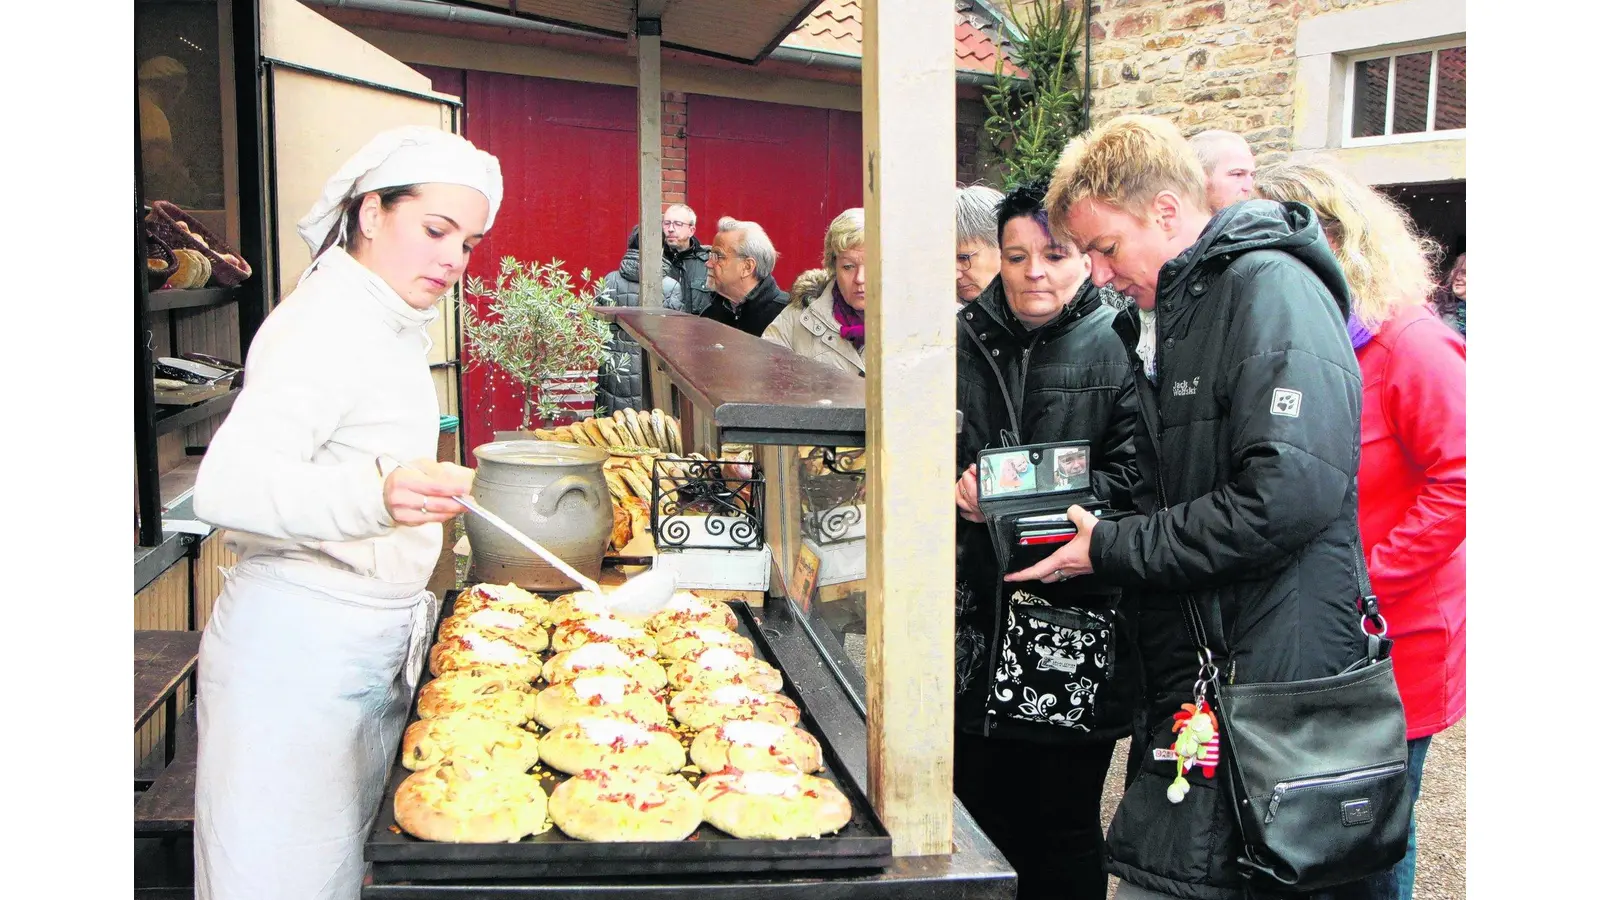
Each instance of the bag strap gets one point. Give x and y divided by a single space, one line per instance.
1015 437
1378 644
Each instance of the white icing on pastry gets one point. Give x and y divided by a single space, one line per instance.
591 656
612 628
609 688
497 618
735 694
490 649
720 659
609 731
753 734
771 784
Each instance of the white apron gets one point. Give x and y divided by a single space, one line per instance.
306 675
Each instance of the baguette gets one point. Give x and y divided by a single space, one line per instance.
674 434
608 430
658 425
579 436
619 420
631 416
592 429
640 486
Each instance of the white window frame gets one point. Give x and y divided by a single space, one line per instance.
1429 134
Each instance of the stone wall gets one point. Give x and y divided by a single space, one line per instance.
1204 63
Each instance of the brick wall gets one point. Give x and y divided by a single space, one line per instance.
1208 64
674 148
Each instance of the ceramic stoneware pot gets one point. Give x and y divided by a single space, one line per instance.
554 493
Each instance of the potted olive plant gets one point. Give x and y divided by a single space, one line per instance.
537 330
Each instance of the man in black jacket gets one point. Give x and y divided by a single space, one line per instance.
1248 440
740 271
687 256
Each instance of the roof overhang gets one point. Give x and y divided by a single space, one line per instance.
739 30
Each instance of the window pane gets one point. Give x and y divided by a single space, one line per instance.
1371 96
1450 106
1411 74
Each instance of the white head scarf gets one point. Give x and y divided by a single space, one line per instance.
409 155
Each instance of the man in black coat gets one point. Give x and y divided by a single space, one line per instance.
687 256
1248 441
740 271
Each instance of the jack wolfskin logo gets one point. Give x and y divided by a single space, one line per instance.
1186 388
1286 403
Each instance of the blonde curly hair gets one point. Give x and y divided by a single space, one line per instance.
1387 263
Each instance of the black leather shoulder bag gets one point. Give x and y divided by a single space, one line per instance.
1315 770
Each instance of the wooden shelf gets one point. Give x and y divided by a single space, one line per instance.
199 298
188 415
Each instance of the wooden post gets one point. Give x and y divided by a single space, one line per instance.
647 29
908 101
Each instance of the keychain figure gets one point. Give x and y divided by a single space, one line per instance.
1197 742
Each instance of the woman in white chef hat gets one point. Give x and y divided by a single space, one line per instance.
311 657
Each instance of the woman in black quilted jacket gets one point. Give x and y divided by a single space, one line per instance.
1037 362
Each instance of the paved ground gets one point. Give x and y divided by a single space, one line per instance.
1441 814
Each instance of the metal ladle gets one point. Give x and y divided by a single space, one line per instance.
640 595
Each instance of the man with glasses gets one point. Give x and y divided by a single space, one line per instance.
687 256
739 270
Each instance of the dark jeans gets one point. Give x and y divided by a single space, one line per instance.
1396 883
1040 804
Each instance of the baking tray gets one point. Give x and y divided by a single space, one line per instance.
862 844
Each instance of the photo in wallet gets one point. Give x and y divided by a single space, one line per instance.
1033 471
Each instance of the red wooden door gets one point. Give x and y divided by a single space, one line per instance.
568 154
790 169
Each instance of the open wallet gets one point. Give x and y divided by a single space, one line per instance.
1024 494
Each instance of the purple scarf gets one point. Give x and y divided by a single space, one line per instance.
852 323
1359 335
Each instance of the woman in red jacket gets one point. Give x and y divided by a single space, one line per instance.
1413 476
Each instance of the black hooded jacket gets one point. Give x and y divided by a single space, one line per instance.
1248 443
621 379
1067 380
755 313
689 268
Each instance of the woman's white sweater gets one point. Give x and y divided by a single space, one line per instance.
336 377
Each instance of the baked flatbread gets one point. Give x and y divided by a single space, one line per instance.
689 641
751 746
580 606
522 629
630 638
611 743
688 608
491 693
470 649
470 739
583 697
503 596
773 805
625 805
718 666
604 659
468 804
701 708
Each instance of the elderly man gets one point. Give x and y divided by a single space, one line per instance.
977 247
687 256
1247 444
1229 165
739 271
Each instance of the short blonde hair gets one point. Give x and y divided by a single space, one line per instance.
1387 264
1124 164
847 231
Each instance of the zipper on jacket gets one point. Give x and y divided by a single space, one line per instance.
1284 787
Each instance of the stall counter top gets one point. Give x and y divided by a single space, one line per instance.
759 392
975 871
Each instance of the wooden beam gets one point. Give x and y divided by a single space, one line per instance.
909 102
648 37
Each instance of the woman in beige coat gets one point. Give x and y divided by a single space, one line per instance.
829 325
